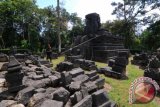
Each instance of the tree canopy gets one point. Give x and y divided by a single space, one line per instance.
24 24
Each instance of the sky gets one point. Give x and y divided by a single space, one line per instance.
83 7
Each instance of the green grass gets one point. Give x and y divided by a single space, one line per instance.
57 61
120 88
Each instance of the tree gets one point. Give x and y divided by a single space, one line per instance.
151 37
18 18
133 13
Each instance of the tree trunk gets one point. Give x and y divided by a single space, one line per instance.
58 31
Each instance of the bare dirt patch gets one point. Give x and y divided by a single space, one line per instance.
107 87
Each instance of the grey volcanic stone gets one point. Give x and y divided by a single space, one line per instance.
75 86
99 98
94 78
119 69
75 72
38 77
66 78
82 78
111 62
3 58
105 70
37 83
85 102
54 80
92 23
40 90
24 95
3 66
91 86
121 61
84 91
64 66
73 58
51 103
17 105
91 73
13 64
100 82
123 54
61 94
154 63
6 103
14 79
36 99
76 97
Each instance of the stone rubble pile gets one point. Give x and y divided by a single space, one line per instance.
153 69
82 63
118 66
141 60
32 84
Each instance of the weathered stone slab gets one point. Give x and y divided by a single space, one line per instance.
66 78
76 97
94 78
61 94
75 86
77 71
84 91
82 78
6 103
37 83
40 90
91 86
24 95
14 79
64 66
111 62
121 61
119 69
2 82
104 70
51 103
85 102
35 100
38 77
17 105
99 98
73 58
154 62
91 73
13 64
4 58
123 54
3 66
100 82
54 80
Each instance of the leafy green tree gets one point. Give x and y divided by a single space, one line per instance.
18 18
133 13
151 37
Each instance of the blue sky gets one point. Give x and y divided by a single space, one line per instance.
83 7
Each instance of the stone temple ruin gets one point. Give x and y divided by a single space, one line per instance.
26 81
152 70
100 45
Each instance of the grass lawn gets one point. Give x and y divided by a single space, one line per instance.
120 88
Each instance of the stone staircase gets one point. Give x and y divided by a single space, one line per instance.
105 47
